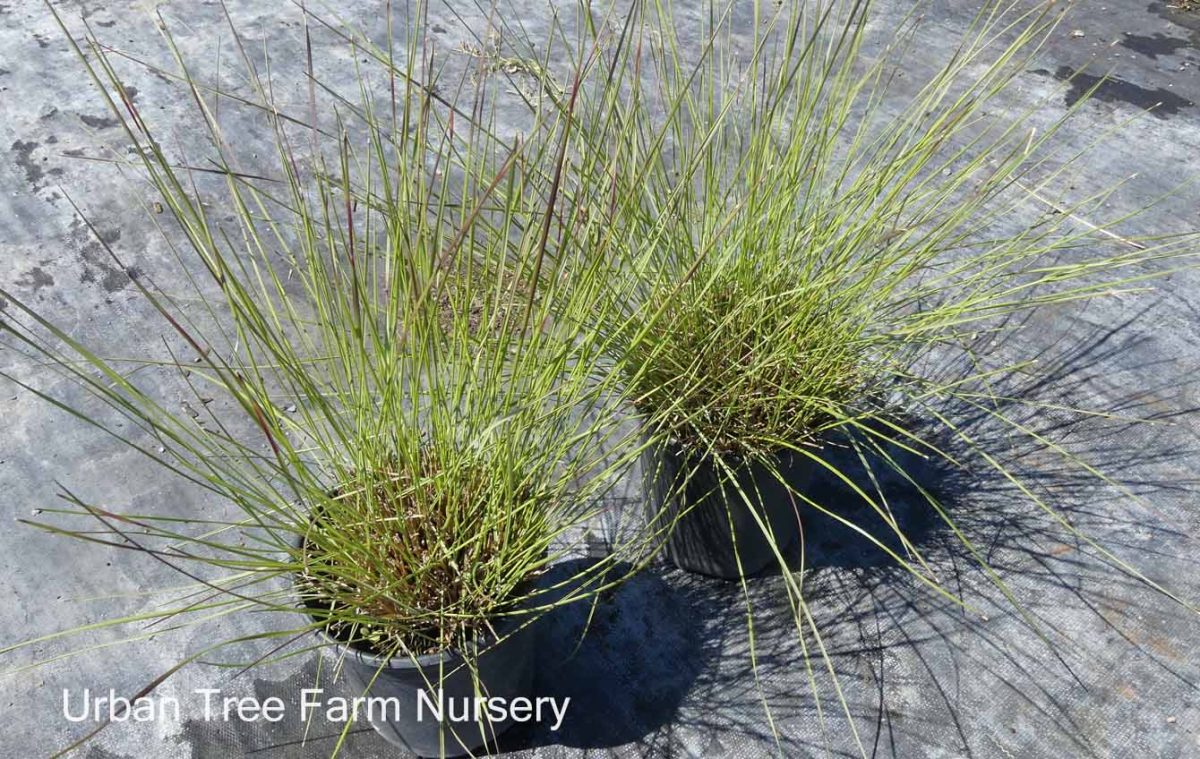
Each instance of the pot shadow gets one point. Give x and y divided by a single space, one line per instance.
626 658
901 484
637 666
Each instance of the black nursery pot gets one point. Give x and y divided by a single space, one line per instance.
409 692
710 512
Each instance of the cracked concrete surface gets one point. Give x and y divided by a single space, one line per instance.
663 672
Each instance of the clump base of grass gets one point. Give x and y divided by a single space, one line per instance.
381 576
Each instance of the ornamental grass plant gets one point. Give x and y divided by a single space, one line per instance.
792 256
400 398
801 260
789 251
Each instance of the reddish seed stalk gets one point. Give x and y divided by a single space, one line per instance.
350 232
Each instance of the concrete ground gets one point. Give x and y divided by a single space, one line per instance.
663 670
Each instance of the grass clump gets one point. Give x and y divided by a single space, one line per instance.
748 356
403 418
385 565
787 257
